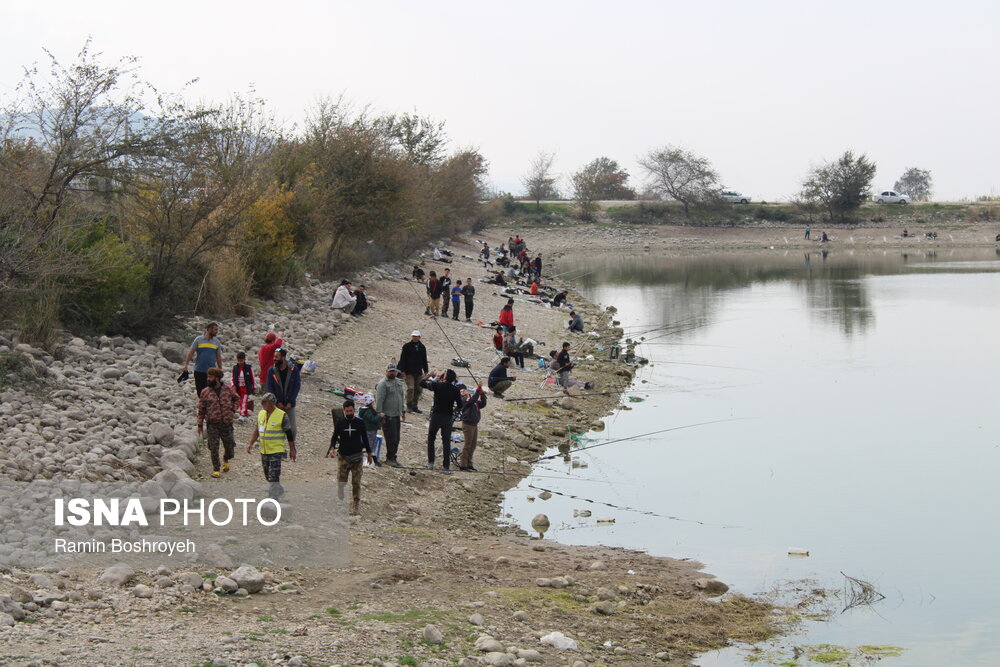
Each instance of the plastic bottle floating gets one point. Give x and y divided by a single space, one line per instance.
581 513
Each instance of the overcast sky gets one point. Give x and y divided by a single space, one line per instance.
762 89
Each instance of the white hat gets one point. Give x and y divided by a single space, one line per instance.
415 333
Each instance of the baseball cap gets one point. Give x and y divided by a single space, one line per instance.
390 367
270 337
415 333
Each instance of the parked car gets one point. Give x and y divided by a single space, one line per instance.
734 197
890 197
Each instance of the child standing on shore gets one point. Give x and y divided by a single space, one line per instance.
456 299
243 382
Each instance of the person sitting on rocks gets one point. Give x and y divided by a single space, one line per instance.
350 443
273 429
362 301
418 273
217 404
560 299
575 322
343 299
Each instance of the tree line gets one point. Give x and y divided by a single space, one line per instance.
122 205
836 188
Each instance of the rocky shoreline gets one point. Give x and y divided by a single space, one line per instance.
110 410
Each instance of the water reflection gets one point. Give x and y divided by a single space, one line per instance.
831 281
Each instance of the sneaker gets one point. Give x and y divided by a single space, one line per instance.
378 464
430 466
394 463
417 410
225 467
471 469
446 471
216 473
496 395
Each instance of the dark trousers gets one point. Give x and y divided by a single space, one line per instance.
214 433
454 309
200 381
272 466
444 424
468 308
518 358
390 429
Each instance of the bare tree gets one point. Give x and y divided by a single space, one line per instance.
70 134
681 175
540 182
916 183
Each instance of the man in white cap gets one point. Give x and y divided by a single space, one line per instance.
391 408
413 364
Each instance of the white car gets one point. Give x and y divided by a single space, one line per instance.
734 197
890 197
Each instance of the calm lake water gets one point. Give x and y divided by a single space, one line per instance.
861 390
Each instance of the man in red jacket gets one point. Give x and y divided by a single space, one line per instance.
507 315
266 354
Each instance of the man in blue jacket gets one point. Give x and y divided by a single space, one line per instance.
284 381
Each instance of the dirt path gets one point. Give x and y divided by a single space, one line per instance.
427 548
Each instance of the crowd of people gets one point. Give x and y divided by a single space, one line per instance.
355 439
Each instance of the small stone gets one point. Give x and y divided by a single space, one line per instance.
543 582
59 605
142 591
540 521
521 616
598 565
620 650
226 584
6 620
487 644
606 608
606 594
498 659
432 635
710 587
529 655
476 619
132 378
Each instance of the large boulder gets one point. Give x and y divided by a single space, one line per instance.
173 352
117 575
162 434
248 577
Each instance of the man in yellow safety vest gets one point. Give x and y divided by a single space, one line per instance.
273 428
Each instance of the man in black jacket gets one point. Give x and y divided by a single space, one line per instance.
444 283
469 292
447 399
413 364
352 437
499 381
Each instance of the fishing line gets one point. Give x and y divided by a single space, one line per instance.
625 508
445 334
640 435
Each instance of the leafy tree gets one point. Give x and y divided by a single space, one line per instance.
840 186
680 175
916 183
602 179
421 139
540 183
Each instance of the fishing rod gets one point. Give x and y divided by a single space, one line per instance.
445 334
641 435
552 396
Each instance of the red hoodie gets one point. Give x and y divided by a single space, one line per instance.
266 358
506 317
